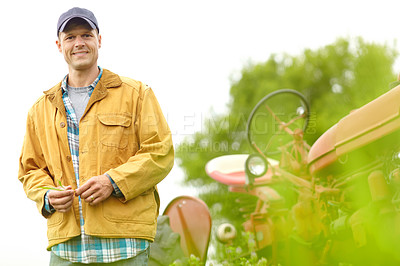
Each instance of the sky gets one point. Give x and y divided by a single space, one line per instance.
189 52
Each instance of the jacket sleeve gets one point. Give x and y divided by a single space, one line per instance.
155 157
33 171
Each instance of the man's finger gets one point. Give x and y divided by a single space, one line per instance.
53 194
88 194
95 199
61 200
79 191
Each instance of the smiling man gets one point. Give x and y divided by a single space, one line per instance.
96 146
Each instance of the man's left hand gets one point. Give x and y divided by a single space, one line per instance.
95 190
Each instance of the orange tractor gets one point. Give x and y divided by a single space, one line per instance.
334 203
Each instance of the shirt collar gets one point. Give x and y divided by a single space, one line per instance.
64 84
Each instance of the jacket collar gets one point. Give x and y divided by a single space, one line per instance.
108 80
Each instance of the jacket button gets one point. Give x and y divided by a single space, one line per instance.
68 158
62 124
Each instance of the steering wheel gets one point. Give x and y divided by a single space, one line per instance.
276 119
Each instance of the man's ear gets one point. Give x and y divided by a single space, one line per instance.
99 41
58 43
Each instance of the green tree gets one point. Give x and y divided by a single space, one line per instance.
335 79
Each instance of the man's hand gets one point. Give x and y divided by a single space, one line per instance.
61 200
95 190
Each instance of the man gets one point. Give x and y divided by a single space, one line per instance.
96 145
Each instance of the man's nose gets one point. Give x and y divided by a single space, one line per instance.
79 41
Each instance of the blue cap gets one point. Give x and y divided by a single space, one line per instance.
77 12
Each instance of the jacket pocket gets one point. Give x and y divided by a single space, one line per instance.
114 129
55 219
140 210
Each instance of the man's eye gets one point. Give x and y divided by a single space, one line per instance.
69 37
87 35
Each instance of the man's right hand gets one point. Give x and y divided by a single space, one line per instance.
61 200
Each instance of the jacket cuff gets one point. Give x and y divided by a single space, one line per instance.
117 192
47 208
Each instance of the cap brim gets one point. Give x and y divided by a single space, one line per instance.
62 27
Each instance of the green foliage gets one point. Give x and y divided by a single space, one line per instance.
335 79
244 253
234 255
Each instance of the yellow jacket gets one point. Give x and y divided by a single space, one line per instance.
123 133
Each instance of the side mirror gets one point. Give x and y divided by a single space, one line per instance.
255 166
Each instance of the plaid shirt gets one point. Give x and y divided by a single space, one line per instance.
85 248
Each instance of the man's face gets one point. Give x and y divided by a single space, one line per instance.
79 44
